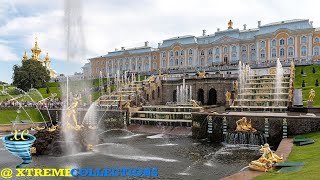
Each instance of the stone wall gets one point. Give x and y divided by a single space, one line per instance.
220 84
19 126
296 125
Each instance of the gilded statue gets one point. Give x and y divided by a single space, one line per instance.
292 68
244 125
201 74
266 161
230 23
127 105
194 103
312 95
72 112
228 96
236 85
290 95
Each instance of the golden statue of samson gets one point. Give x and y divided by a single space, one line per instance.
244 125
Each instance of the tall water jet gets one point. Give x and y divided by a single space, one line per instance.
278 83
182 94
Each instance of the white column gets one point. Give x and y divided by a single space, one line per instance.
296 47
310 47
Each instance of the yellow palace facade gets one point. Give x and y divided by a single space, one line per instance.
295 40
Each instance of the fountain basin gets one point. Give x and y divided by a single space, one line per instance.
20 148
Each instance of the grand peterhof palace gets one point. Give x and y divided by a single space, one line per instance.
289 40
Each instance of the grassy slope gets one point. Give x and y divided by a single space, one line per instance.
310 81
309 155
6 116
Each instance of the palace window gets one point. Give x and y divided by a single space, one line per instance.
290 41
273 43
146 66
164 63
244 57
262 54
225 59
290 51
281 52
202 53
303 51
303 39
163 54
154 65
253 48
133 67
177 62
273 53
171 53
182 52
190 51
177 53
316 51
181 61
316 40
243 48
190 61
202 61
253 57
171 62
234 57
263 44
234 49
217 51
210 60
225 49
154 57
210 52
282 42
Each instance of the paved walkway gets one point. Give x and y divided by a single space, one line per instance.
284 149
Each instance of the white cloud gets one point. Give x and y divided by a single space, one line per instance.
7 53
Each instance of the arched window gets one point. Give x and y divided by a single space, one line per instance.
181 61
146 66
303 39
177 62
234 49
316 51
210 60
133 66
171 53
253 57
273 53
121 67
190 61
190 51
303 51
139 67
316 40
273 43
217 51
182 52
244 57
154 65
225 59
234 57
163 54
281 52
202 53
210 52
164 63
243 48
262 54
282 42
217 59
171 62
290 41
290 51
253 48
225 49
202 61
177 53
262 44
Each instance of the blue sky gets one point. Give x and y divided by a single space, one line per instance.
111 24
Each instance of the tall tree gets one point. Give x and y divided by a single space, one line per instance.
30 74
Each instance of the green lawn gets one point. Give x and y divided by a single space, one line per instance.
6 116
308 154
310 79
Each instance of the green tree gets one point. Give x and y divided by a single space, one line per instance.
313 70
30 74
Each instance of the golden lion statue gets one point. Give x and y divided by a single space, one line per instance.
266 161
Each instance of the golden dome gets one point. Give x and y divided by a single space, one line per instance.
25 57
36 51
